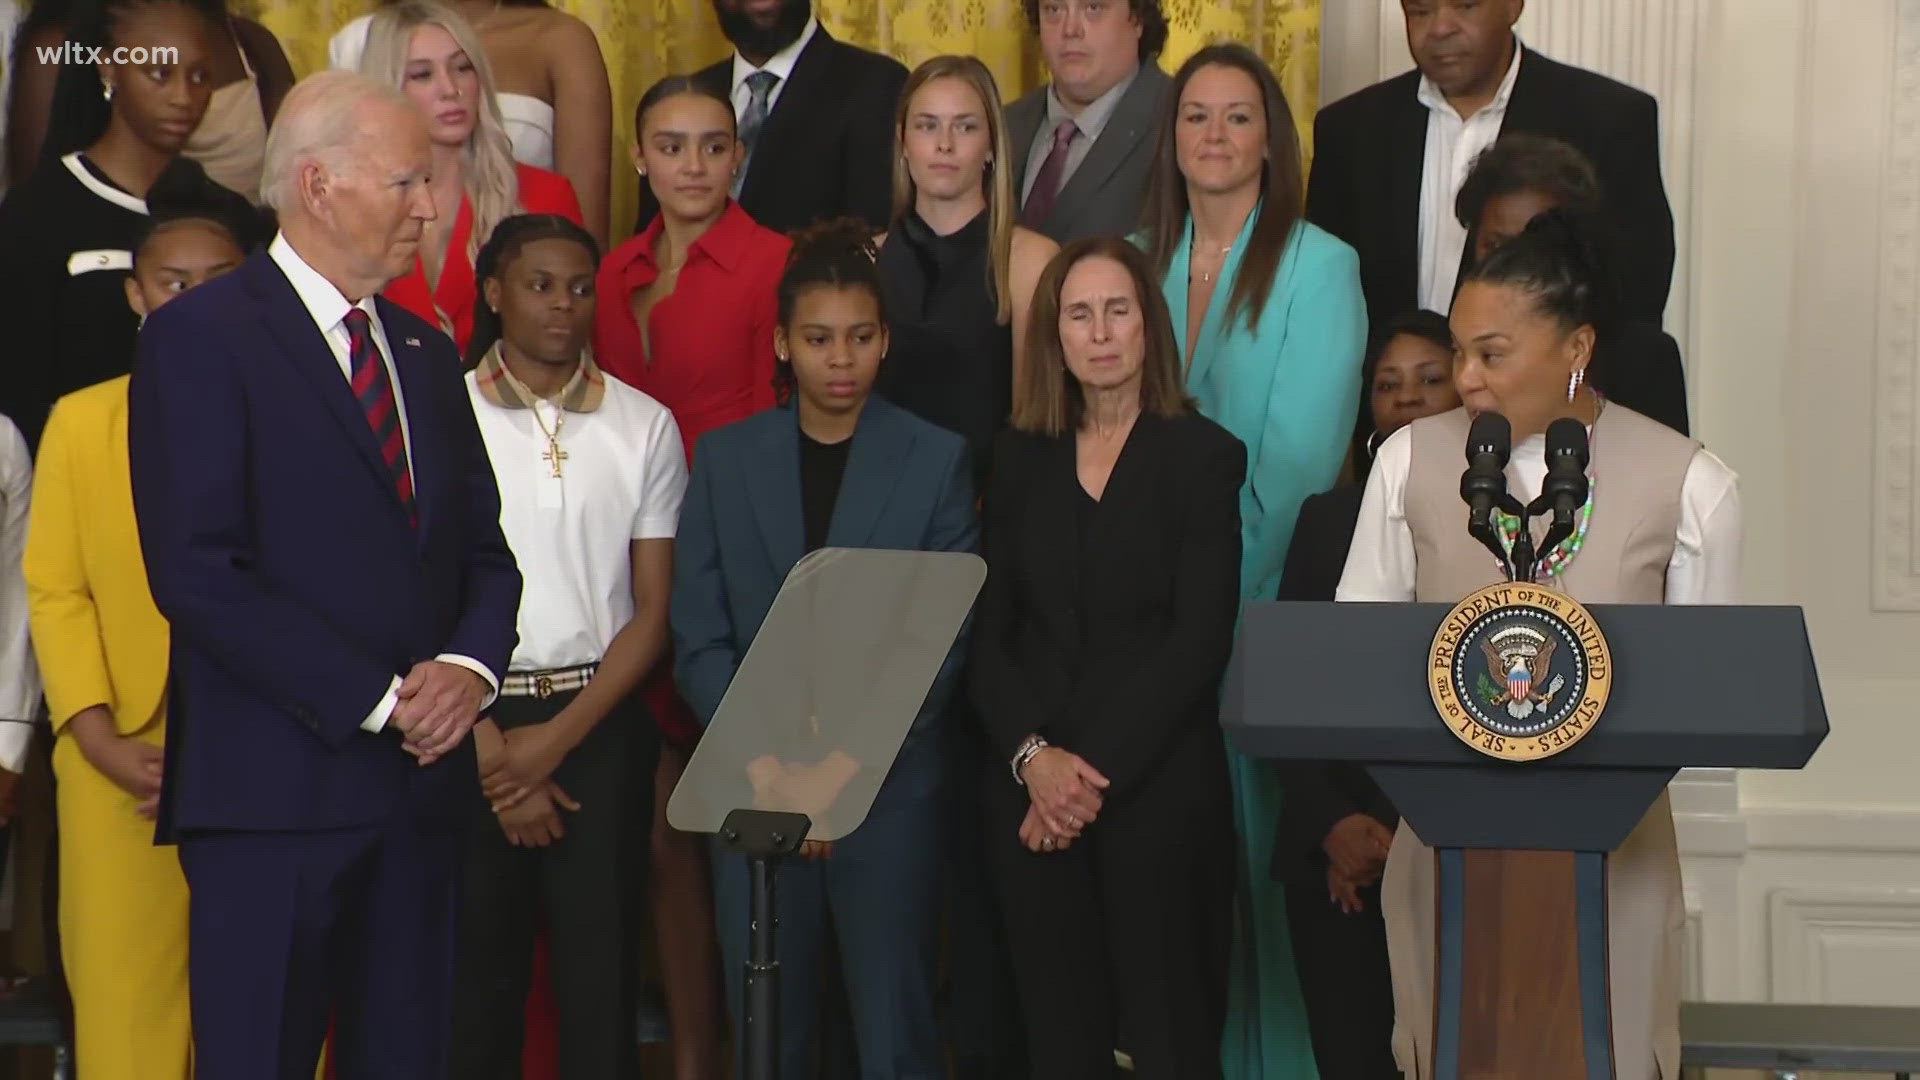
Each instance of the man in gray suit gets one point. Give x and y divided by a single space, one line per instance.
1083 145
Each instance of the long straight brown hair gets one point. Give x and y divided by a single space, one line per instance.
1282 198
1049 399
998 179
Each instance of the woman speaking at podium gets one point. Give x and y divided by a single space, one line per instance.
1662 527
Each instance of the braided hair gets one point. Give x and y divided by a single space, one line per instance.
836 254
498 253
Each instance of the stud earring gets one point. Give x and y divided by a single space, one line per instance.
1574 380
106 90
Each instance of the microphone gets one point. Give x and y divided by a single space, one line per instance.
1484 485
1565 489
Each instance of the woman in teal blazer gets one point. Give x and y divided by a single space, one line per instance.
1273 329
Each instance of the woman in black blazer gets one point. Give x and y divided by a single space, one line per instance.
1335 825
1113 539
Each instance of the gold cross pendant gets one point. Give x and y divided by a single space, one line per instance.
553 456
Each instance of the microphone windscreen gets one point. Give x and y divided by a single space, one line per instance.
1490 434
1567 441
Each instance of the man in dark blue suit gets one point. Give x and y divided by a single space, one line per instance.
321 528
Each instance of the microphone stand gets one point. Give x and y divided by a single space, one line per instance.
1521 561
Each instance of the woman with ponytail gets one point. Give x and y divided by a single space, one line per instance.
112 158
834 466
247 68
1661 526
591 476
433 56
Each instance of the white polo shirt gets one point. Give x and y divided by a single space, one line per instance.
622 479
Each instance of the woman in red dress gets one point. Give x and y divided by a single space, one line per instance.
432 55
687 314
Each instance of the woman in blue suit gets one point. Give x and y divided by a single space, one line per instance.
835 467
1272 327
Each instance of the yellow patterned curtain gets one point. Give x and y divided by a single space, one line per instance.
646 39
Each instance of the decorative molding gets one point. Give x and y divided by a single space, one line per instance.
1810 929
1896 488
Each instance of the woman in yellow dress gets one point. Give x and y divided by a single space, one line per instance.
103 650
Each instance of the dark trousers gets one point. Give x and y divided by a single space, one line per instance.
983 1010
588 884
287 929
1342 961
881 891
1127 933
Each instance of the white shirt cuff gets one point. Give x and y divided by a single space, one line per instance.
16 737
478 668
376 720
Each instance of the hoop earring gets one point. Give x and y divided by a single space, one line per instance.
1373 443
1573 382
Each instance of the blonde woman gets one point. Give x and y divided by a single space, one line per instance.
431 53
551 82
958 271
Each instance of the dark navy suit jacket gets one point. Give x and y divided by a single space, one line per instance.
280 553
908 486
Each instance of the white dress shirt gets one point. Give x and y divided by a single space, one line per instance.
780 65
329 308
1705 568
1091 122
1453 142
623 478
19 677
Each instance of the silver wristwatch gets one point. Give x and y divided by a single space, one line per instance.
1029 747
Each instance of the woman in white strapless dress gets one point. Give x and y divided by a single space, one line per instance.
565 123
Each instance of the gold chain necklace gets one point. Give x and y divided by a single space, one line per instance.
553 455
1206 276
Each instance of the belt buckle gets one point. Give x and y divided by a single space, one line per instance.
543 686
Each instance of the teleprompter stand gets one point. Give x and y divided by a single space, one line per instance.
811 723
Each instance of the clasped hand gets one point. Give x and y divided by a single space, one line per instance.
522 765
438 703
1065 796
1356 848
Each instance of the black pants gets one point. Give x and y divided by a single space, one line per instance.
1127 933
1342 961
588 884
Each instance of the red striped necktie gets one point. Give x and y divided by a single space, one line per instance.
374 389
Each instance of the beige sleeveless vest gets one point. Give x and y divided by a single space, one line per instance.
1639 467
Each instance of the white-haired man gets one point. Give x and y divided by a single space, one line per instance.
321 529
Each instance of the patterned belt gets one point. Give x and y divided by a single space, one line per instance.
545 684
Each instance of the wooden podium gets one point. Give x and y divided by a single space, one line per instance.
1521 991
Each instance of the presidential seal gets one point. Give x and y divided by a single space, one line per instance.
1519 672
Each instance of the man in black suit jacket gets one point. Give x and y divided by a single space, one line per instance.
1388 159
1102 59
825 146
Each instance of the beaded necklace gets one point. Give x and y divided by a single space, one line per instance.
1553 563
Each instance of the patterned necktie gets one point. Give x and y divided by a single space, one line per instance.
760 86
1046 186
374 389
